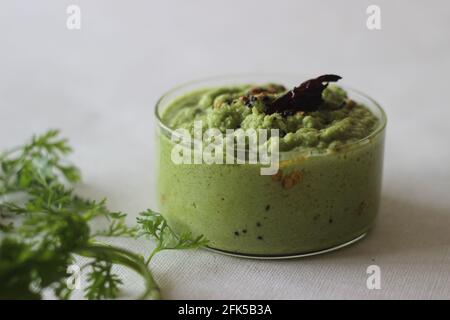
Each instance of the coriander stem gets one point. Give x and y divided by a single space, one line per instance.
155 251
128 259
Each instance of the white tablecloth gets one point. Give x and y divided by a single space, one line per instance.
99 85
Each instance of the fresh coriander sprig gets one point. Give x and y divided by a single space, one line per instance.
155 226
53 224
44 225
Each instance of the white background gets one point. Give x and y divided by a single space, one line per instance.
99 85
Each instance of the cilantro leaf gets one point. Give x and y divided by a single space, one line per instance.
153 225
103 283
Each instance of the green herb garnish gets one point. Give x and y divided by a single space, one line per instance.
44 225
154 225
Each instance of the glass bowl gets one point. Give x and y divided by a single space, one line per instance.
246 214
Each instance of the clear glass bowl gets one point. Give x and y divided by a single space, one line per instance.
247 214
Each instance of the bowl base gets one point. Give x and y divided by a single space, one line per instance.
287 256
